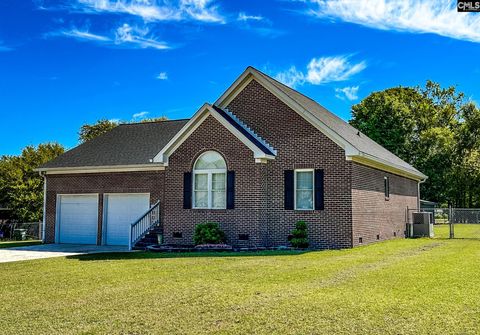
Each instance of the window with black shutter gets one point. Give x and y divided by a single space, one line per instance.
289 189
230 189
187 190
319 190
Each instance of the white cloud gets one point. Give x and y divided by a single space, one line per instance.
162 76
137 37
201 10
198 10
350 93
85 35
140 115
125 36
291 77
321 71
258 24
427 16
329 69
244 17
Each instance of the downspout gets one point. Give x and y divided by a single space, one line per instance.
418 192
44 205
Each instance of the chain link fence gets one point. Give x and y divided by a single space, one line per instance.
21 230
461 223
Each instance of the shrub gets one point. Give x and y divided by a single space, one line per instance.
299 236
208 233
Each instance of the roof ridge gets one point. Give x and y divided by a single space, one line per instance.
147 122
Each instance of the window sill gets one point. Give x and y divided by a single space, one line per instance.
307 210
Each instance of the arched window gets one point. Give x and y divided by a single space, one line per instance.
210 181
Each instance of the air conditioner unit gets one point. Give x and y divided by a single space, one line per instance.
422 224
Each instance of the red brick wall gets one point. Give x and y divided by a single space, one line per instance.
259 209
126 182
249 195
372 214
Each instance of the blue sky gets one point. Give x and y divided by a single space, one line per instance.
66 63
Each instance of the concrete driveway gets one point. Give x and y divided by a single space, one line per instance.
53 250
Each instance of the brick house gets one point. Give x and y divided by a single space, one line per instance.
262 157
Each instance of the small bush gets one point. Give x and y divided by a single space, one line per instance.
208 233
299 236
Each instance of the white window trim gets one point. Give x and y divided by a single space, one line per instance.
295 189
209 173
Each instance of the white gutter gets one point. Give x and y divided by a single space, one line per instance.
100 169
384 165
420 182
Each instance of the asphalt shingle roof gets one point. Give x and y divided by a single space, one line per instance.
350 134
127 144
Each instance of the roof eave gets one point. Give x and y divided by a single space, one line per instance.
102 169
380 164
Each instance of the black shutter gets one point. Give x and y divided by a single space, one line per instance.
230 189
319 190
386 182
289 189
187 190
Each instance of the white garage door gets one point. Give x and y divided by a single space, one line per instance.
121 211
78 219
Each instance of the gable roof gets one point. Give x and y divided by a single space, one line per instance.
124 145
261 149
358 146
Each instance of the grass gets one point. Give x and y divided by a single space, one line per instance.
11 244
462 231
415 286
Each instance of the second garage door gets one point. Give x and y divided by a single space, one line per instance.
121 211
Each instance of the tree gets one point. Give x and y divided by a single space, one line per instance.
21 188
433 128
90 131
156 119
466 172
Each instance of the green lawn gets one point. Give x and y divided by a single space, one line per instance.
416 286
11 244
462 231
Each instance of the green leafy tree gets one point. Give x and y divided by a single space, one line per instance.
156 119
21 188
432 128
90 131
